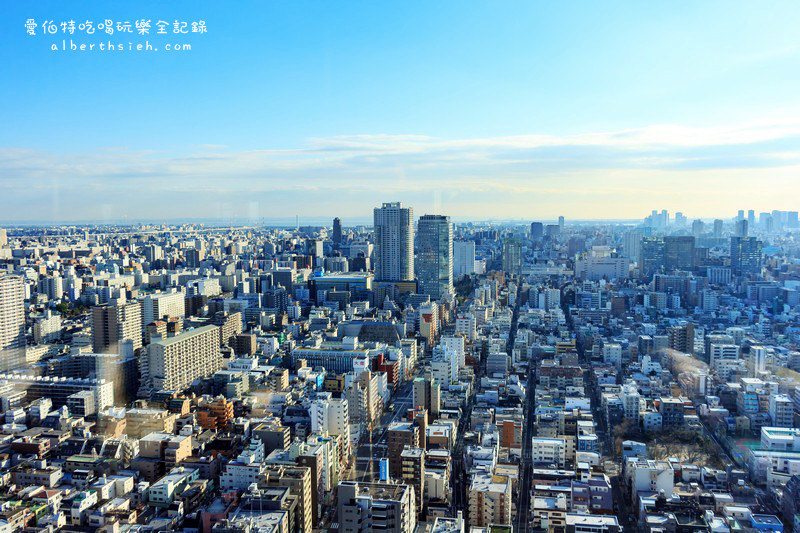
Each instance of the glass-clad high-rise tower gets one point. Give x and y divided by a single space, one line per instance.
435 256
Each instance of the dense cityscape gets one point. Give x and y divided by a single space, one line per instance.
416 375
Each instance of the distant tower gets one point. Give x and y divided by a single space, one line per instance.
741 228
394 242
537 231
717 229
561 224
435 256
12 322
337 232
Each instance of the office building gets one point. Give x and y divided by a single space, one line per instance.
678 253
435 256
681 338
537 231
394 242
652 256
745 255
463 259
337 233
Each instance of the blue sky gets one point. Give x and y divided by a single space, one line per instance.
474 109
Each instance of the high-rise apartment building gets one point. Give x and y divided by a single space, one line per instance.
413 472
399 436
426 395
394 242
512 256
435 256
114 323
12 322
781 410
164 304
175 362
681 338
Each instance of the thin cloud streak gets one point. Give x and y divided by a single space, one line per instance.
626 171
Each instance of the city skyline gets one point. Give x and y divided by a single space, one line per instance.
307 266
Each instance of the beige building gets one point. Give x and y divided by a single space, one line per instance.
298 479
112 324
175 362
142 421
489 500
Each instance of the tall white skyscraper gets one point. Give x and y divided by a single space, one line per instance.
12 322
435 256
463 258
394 242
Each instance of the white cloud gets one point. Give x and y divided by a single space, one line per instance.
636 166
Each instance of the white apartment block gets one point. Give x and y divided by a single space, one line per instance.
157 306
649 476
12 322
781 410
546 451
